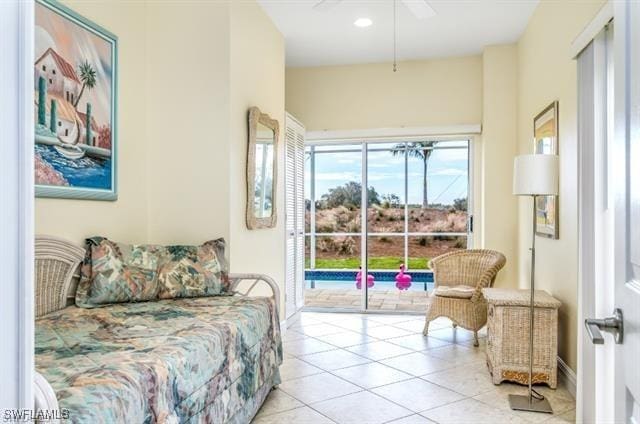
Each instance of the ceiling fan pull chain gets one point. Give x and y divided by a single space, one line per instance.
395 43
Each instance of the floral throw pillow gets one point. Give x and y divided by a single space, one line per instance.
192 271
117 272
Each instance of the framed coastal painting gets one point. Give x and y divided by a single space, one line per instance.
75 89
545 135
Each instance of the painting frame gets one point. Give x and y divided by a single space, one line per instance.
79 192
545 141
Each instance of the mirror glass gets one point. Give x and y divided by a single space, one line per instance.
263 203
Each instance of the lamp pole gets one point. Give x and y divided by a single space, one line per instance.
533 175
531 305
534 401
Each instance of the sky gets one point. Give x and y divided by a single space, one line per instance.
447 173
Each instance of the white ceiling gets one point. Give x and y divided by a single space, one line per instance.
328 37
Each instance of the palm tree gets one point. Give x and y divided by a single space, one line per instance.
88 78
420 150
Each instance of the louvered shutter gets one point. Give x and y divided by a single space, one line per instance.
294 220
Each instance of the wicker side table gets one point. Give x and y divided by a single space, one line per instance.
508 336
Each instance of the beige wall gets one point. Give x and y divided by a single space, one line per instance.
499 215
257 79
182 146
504 89
188 121
124 219
173 138
188 72
463 90
424 93
421 93
546 73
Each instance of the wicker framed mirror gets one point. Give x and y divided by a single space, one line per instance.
262 170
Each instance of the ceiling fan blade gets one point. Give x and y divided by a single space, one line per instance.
324 5
420 8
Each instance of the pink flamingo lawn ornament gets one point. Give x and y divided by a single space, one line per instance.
403 281
370 280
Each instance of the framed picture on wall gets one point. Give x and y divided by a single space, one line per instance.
545 135
75 89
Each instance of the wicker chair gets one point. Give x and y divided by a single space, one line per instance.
460 277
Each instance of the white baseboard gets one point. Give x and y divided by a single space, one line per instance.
567 377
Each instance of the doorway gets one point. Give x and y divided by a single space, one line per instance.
609 220
417 196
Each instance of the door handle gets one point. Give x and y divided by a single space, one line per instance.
613 324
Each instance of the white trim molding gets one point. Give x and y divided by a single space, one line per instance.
567 377
382 134
602 18
17 199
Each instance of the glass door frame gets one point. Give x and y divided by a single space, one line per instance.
366 146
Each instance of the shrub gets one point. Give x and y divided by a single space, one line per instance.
346 246
460 204
460 243
349 195
457 222
326 245
390 201
341 246
326 225
353 226
342 215
442 227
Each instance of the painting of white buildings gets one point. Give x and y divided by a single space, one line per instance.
74 105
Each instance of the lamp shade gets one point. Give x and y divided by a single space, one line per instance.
535 175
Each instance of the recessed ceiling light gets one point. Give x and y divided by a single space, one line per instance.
363 22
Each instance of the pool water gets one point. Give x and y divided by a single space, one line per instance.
384 280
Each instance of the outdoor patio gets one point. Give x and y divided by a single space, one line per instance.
379 300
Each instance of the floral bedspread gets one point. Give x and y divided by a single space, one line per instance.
209 359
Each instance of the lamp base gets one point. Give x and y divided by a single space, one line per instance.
526 403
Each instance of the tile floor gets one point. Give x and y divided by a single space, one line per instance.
369 369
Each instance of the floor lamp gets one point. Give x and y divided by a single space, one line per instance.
533 175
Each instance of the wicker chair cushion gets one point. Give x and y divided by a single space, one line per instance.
459 292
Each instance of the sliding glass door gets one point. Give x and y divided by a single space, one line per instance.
416 195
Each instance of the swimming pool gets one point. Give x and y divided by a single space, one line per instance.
344 279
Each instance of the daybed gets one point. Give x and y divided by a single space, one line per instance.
196 359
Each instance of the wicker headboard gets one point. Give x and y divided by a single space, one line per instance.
56 263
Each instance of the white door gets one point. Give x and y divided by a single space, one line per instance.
295 209
627 209
595 392
609 144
